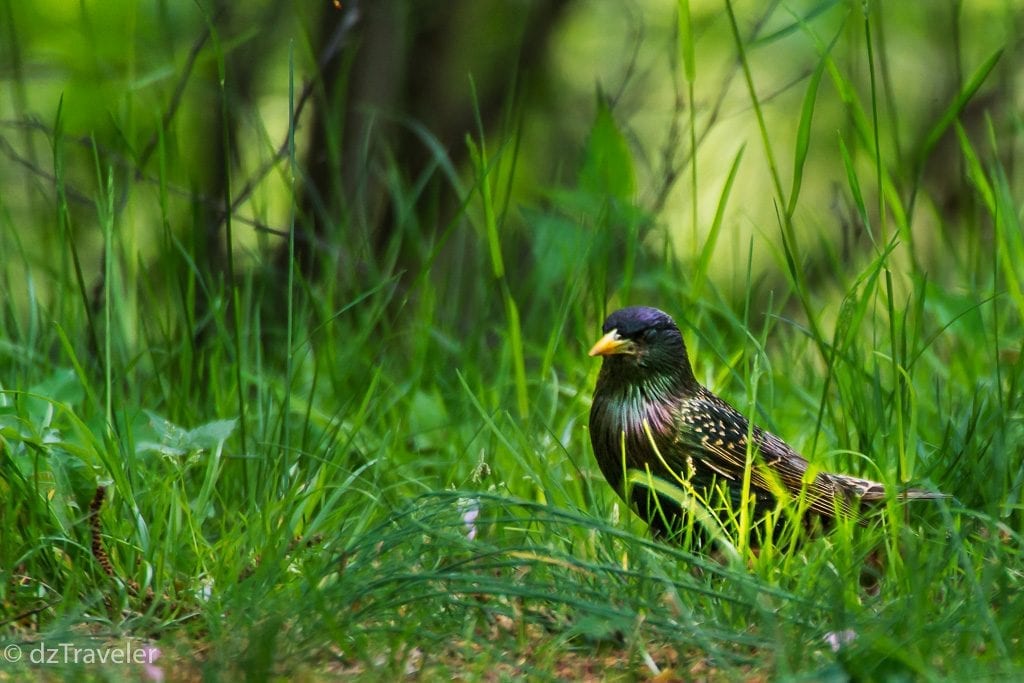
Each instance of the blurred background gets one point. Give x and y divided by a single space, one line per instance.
182 112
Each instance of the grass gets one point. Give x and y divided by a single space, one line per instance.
396 479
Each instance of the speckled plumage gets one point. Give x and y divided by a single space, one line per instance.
651 416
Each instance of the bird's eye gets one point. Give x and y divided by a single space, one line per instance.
649 333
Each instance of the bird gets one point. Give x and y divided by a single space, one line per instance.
677 452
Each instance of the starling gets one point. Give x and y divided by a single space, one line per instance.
661 439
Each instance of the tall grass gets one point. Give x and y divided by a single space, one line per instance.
378 482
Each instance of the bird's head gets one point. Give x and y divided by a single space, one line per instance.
643 343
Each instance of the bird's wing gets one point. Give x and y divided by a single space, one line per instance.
712 428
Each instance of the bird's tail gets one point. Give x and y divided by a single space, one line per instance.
921 494
868 491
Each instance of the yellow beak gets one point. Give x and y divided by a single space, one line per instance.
610 344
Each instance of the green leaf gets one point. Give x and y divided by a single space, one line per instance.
428 419
975 173
957 105
175 440
608 165
855 192
478 156
792 27
716 225
212 434
803 136
684 40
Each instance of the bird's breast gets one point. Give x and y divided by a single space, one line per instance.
629 430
